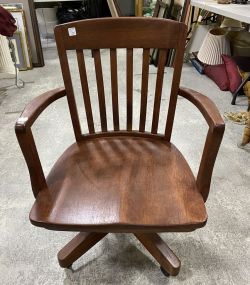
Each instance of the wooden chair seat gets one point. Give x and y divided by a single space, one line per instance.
120 184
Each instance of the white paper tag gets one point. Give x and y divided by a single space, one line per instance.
72 31
22 120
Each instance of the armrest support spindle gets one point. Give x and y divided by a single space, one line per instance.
213 139
25 136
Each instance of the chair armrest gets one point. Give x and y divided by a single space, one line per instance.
213 140
25 136
35 108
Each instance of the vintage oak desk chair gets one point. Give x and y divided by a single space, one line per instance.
120 181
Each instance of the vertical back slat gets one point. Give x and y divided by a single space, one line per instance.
85 90
144 88
114 86
100 88
175 84
129 89
158 90
129 34
69 90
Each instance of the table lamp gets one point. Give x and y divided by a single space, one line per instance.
214 45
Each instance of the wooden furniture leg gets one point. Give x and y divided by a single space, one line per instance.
161 252
239 88
80 244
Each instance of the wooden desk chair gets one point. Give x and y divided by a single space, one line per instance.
126 181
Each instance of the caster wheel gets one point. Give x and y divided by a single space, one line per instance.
70 276
164 271
69 269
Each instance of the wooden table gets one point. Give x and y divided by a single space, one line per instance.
235 11
49 3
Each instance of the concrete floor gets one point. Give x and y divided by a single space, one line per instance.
217 254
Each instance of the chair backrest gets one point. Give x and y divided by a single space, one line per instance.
129 34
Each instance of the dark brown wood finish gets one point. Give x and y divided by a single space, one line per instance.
175 84
68 85
80 244
161 252
144 88
85 90
113 180
114 86
213 140
158 90
26 140
36 107
28 147
100 88
122 169
174 34
129 89
119 33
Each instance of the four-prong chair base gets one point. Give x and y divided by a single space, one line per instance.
80 244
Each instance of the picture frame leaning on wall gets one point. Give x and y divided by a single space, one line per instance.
17 44
32 28
114 8
19 16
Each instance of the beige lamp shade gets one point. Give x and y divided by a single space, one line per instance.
214 45
230 23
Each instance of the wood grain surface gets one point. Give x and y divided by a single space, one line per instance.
117 183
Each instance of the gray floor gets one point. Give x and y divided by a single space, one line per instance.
217 254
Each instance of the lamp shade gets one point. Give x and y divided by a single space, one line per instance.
214 45
230 23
